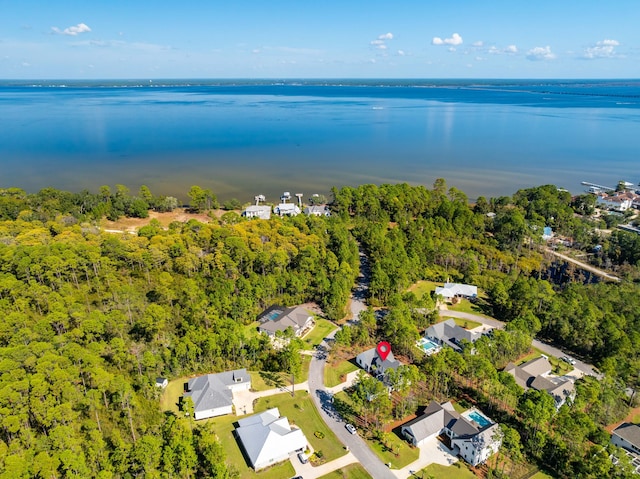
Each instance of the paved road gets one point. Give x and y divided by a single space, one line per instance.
582 265
354 442
544 347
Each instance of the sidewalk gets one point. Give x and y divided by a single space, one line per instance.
310 472
243 400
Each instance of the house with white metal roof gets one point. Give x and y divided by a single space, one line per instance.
453 290
268 438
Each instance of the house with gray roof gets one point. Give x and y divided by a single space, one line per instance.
536 374
473 440
212 394
372 363
267 438
279 318
627 436
257 211
448 333
317 210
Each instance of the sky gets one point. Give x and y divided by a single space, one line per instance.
100 39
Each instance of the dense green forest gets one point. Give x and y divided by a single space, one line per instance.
92 318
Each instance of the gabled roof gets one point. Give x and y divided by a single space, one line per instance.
371 358
521 376
213 390
629 432
316 210
267 437
261 211
537 366
448 330
431 422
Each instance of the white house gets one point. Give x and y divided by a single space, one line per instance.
268 438
257 211
453 290
212 394
162 383
287 209
471 435
317 210
620 201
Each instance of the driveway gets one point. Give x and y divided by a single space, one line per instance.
432 451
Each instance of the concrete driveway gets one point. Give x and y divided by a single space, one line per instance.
432 451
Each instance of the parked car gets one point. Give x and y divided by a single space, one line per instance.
350 428
303 457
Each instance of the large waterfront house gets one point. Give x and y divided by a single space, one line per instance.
620 201
536 374
268 438
448 333
212 394
257 211
317 210
471 435
279 318
287 209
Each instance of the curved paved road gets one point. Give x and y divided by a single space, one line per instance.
354 442
544 347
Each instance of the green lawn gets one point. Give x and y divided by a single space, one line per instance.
455 471
352 471
332 375
265 380
423 287
171 395
466 306
301 411
559 367
318 333
464 323
398 452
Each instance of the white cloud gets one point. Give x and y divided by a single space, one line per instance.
541 53
509 50
401 53
604 49
380 42
477 44
73 30
455 39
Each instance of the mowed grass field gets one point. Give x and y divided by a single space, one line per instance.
333 373
455 471
352 471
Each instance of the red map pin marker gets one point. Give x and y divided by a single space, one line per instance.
383 348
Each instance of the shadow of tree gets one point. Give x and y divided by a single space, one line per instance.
273 379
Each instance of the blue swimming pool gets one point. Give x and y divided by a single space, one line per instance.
479 419
428 346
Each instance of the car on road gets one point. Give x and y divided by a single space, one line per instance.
350 428
297 477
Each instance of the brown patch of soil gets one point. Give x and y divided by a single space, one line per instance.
179 214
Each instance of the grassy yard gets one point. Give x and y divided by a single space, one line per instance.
455 471
318 333
559 367
466 306
302 412
397 451
333 373
171 395
352 471
423 287
464 323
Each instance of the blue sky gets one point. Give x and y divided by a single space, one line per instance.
319 39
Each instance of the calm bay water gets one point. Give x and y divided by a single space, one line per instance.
241 138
